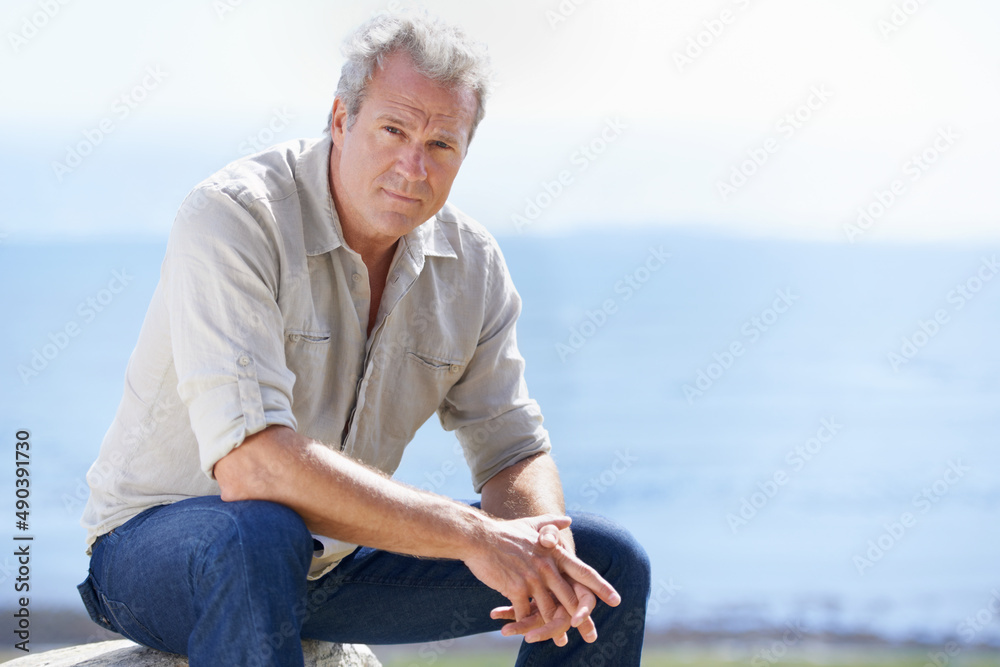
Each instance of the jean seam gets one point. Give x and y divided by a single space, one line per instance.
409 583
108 606
246 581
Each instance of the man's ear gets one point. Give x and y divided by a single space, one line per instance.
338 124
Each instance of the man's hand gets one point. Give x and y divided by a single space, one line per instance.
550 589
534 627
531 488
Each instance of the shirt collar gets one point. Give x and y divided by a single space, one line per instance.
429 240
322 231
321 225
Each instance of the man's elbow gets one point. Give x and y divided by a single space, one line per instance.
250 471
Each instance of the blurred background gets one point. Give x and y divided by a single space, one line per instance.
756 244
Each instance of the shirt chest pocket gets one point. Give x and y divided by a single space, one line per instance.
421 380
413 387
450 368
294 338
404 389
319 401
308 355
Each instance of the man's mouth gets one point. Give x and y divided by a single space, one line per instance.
400 197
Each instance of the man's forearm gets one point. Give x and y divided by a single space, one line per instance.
528 488
282 466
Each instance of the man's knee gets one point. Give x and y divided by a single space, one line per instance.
258 531
613 551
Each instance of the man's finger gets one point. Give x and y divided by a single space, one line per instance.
502 613
588 630
563 592
522 607
586 606
546 607
588 576
548 540
554 629
548 536
559 522
523 626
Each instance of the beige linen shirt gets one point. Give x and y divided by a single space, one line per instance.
260 317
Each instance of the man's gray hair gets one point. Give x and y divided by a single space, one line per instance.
441 52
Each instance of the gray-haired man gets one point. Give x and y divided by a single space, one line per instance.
318 302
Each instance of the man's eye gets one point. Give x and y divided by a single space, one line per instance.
392 130
441 144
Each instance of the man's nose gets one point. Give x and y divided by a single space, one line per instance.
411 164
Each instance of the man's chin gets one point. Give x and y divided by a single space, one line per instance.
396 224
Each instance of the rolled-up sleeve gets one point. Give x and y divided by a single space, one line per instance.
220 279
495 420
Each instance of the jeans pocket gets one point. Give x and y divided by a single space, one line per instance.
93 605
128 625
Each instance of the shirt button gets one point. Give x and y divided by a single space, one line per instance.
295 338
244 360
356 277
453 368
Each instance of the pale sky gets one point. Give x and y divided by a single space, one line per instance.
684 93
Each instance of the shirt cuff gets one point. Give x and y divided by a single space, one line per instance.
259 406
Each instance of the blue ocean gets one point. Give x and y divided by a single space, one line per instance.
797 432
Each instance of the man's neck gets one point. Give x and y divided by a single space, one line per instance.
374 253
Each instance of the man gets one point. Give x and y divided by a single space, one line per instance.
318 302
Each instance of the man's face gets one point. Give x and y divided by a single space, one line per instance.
394 168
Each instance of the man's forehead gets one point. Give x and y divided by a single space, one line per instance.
398 87
399 111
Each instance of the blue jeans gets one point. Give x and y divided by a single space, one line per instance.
225 584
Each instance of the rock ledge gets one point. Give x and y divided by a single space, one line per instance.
124 653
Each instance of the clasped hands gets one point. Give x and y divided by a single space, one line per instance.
560 595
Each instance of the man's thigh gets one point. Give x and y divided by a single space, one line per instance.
156 574
378 597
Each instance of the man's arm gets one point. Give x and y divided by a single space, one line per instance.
343 499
